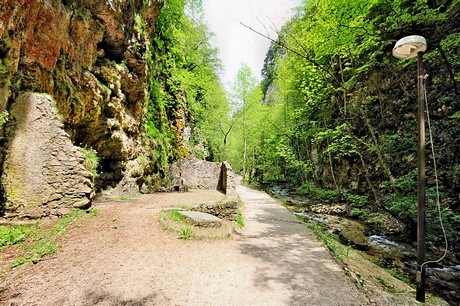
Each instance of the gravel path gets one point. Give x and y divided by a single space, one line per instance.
123 257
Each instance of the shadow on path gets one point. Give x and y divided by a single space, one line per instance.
294 258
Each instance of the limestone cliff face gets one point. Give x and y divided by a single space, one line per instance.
89 57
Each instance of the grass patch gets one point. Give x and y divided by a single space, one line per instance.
42 241
397 275
175 220
10 235
239 218
93 212
382 281
183 228
392 271
359 213
186 233
175 216
331 241
126 196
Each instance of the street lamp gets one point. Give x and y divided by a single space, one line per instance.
408 47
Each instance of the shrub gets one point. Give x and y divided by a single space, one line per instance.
403 207
310 188
355 200
91 161
359 213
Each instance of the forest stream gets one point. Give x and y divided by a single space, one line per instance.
388 247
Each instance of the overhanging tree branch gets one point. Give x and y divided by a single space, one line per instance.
293 51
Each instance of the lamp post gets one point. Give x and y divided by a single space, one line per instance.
408 47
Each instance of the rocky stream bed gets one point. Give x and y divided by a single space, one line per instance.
386 242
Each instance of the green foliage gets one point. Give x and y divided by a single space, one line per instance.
175 216
240 219
404 207
93 212
450 219
335 108
355 200
375 219
408 183
147 2
140 24
381 280
42 241
310 188
14 234
331 241
338 142
247 111
359 280
361 214
392 271
3 69
184 88
91 161
4 117
175 220
399 276
186 233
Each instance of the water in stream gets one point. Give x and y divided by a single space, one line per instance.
388 248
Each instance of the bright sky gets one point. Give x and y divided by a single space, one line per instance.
238 44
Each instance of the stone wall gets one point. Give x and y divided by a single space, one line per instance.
201 174
198 174
43 171
227 181
227 209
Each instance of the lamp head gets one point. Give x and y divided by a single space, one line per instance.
409 46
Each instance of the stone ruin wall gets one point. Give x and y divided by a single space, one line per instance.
201 174
43 171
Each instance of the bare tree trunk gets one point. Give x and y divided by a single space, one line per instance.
449 69
332 170
225 133
344 91
368 180
244 152
377 146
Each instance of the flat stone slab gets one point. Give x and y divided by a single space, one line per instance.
202 219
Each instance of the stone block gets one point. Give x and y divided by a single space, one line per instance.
201 219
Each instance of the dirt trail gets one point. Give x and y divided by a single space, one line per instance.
123 257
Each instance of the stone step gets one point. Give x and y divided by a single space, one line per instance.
201 219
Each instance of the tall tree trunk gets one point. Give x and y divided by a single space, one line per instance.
449 69
332 170
368 180
225 134
377 146
244 152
